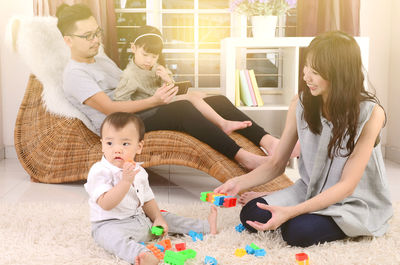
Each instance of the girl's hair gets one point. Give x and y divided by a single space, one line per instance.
120 119
68 15
150 43
336 57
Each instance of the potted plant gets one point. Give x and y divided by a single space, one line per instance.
263 13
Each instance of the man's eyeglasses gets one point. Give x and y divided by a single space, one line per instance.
90 36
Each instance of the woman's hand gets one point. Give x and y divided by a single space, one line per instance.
279 216
165 94
160 221
231 187
162 72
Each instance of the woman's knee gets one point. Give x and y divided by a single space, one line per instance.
251 212
297 235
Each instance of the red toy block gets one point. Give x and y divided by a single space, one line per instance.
166 243
229 202
180 246
302 258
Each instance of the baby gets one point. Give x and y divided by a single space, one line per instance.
122 204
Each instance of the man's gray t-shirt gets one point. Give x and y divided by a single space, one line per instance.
83 80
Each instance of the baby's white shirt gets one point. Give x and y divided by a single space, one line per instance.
102 177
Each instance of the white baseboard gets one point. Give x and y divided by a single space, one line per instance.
392 153
10 152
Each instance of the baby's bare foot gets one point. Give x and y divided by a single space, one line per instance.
146 258
212 220
248 196
229 126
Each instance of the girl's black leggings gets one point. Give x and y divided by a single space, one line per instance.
183 116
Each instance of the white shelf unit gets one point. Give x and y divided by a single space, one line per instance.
232 52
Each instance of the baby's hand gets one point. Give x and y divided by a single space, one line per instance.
161 221
163 74
129 172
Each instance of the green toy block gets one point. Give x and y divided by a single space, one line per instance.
189 253
203 196
174 258
254 246
157 230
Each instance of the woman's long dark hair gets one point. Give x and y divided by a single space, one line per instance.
151 44
336 57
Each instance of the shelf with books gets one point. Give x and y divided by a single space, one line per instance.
233 57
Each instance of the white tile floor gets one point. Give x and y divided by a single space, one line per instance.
174 184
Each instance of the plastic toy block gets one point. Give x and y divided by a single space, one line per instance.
194 235
210 260
204 195
142 243
260 252
174 258
229 202
161 248
212 196
164 211
156 251
249 250
166 243
157 230
239 228
219 200
240 252
180 246
302 258
254 246
188 253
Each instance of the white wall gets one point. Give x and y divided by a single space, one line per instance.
13 74
393 131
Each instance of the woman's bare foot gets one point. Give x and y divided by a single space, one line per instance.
212 220
146 258
249 160
229 126
248 196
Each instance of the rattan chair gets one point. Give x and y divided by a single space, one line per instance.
54 149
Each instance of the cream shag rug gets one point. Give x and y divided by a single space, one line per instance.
49 233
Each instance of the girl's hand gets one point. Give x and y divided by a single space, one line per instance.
163 74
279 216
231 187
129 172
161 221
165 94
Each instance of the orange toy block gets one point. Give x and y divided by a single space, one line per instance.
166 243
156 252
212 195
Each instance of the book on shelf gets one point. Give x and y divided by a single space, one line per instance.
245 95
237 88
257 93
250 86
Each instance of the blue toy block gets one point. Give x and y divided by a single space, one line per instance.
194 235
210 261
249 249
259 252
219 200
161 248
239 228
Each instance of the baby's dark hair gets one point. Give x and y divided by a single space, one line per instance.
149 43
120 119
68 15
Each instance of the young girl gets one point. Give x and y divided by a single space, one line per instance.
343 190
122 204
144 77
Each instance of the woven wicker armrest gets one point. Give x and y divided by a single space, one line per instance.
54 149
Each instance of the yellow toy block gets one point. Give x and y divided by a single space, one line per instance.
240 252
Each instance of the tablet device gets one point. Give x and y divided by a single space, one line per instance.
183 87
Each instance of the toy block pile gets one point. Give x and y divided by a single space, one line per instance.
219 199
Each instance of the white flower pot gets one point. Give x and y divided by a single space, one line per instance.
264 26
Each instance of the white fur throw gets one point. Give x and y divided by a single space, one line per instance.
41 45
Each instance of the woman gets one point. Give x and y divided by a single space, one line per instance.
342 191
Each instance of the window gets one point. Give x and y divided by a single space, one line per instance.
192 30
